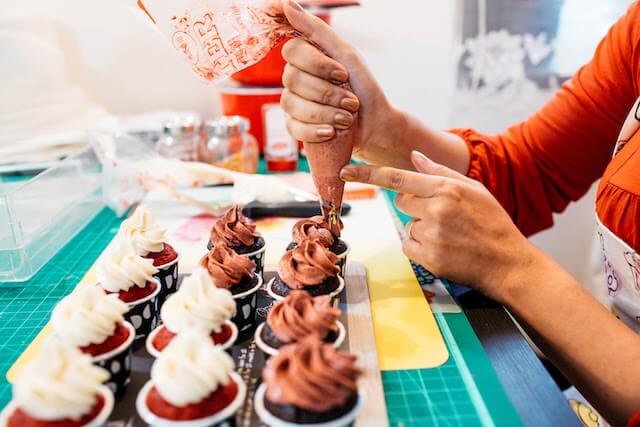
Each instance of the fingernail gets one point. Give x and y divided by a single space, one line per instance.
348 173
295 5
325 131
339 76
420 160
343 119
350 104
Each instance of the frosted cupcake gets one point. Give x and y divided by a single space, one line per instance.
308 267
236 273
309 383
147 239
317 229
120 271
197 305
61 387
238 233
192 380
299 316
93 322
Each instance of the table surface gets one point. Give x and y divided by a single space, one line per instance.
464 391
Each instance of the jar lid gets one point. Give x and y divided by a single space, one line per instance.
227 125
182 125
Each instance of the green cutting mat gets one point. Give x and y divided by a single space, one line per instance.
464 391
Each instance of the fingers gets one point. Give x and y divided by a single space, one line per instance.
311 112
308 132
399 180
315 30
424 164
309 59
410 205
316 89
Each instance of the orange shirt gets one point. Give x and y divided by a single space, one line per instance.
539 166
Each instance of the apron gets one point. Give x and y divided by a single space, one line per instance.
621 277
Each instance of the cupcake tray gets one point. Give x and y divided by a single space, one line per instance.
250 360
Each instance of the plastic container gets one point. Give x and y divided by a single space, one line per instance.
40 215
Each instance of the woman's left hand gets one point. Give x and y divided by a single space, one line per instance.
459 230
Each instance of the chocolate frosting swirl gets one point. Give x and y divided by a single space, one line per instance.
311 375
308 264
226 267
300 315
314 228
234 229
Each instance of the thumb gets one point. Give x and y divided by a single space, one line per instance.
425 165
314 30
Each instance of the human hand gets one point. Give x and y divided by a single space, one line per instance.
314 99
459 230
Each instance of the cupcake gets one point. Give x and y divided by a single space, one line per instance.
237 232
309 383
93 322
236 273
197 305
61 387
316 228
148 240
309 267
120 271
299 316
192 380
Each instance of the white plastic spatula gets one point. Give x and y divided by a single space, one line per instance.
131 169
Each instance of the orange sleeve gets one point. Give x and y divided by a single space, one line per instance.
538 166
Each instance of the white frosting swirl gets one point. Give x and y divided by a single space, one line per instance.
141 230
190 368
198 304
120 268
60 383
87 316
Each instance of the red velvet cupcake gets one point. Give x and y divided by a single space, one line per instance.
37 397
147 239
93 322
192 380
197 305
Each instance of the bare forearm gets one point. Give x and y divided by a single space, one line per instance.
411 134
598 353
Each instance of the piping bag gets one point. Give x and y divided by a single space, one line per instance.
221 37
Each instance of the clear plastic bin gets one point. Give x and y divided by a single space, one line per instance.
40 215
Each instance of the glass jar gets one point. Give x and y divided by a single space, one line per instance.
227 143
180 137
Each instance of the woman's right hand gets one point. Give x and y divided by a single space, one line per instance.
315 99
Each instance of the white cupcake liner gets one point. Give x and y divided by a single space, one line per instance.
273 421
152 419
342 333
99 420
333 295
156 353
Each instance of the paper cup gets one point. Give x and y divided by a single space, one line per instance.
167 275
118 363
228 412
246 306
335 295
342 259
258 258
271 351
155 352
99 420
271 420
143 315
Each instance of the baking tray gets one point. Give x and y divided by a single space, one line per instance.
250 360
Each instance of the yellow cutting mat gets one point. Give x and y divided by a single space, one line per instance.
407 336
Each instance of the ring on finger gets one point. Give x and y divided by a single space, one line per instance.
410 228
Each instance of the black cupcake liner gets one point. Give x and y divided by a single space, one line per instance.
119 367
143 316
258 258
167 275
246 307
